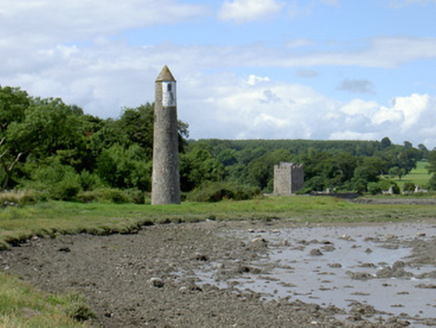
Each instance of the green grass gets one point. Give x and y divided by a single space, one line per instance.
53 218
22 306
418 176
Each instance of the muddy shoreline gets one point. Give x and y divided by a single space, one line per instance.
152 278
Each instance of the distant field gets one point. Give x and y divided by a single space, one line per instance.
418 176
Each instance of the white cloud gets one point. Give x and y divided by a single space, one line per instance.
248 10
360 107
236 109
253 79
404 111
40 22
104 75
352 135
102 79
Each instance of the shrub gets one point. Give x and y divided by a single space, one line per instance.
137 196
374 188
54 180
409 186
387 184
216 191
20 197
90 181
106 195
66 189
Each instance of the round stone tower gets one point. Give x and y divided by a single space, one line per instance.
165 179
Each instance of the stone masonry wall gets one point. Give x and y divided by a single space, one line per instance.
288 178
166 176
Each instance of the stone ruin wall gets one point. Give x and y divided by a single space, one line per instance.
288 178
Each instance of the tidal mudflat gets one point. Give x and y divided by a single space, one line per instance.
244 274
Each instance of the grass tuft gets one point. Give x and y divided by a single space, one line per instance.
21 305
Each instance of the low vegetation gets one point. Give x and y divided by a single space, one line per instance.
21 305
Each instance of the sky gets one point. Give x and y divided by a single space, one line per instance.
245 69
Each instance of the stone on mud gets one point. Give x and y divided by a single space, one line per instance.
157 282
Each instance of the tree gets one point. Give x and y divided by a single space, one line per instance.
397 172
199 165
424 151
13 105
8 168
125 168
408 144
385 142
260 172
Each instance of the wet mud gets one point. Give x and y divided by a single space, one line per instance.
243 274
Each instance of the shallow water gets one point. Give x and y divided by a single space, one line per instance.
333 277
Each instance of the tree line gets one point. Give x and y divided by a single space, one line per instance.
343 165
61 152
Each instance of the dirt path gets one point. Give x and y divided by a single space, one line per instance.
149 279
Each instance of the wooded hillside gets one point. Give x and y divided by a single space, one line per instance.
58 150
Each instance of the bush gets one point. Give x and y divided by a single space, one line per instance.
409 187
387 184
52 179
374 188
137 196
304 191
90 181
112 195
20 197
216 191
66 189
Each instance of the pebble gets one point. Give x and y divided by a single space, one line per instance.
316 252
157 282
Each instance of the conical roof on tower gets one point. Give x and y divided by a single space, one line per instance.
165 75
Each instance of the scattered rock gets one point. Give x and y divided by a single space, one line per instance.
284 242
429 286
427 275
247 269
328 248
258 240
200 257
397 322
397 271
367 265
157 282
335 265
363 309
347 238
359 275
316 252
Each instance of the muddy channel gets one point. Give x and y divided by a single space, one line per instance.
244 274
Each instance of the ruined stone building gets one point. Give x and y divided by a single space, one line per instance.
288 178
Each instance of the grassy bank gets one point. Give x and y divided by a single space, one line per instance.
22 306
52 218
